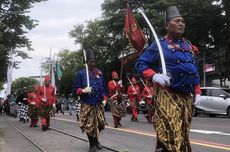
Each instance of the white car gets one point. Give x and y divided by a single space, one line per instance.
213 101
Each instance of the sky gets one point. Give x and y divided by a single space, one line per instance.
56 19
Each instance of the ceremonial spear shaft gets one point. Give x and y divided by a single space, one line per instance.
86 68
157 41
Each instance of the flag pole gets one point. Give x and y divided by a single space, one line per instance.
157 41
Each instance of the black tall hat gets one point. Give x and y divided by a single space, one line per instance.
171 12
90 55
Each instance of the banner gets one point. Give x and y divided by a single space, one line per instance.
133 31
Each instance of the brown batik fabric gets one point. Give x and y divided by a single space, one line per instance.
43 110
33 112
92 119
172 119
118 107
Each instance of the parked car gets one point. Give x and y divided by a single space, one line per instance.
213 101
142 107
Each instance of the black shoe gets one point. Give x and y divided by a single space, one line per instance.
24 121
97 144
92 148
44 128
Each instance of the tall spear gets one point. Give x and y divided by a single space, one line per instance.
140 9
86 68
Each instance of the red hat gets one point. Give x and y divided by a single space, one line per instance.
114 73
47 78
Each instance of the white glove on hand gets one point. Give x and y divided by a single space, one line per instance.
104 103
149 96
162 79
33 103
120 83
87 90
197 99
54 106
44 99
24 99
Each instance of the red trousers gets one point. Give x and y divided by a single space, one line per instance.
134 113
45 121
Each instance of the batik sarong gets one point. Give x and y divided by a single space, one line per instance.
44 110
33 112
92 119
119 106
172 119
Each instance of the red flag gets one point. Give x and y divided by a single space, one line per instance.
133 31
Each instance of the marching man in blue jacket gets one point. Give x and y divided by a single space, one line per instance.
175 91
90 85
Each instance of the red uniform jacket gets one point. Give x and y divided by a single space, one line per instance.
114 88
49 94
32 97
147 94
133 96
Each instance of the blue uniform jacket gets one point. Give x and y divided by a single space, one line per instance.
97 83
180 64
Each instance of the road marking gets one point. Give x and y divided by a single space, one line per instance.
150 134
209 132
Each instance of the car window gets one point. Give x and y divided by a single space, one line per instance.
217 92
227 90
204 92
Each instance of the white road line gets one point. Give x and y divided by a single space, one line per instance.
209 132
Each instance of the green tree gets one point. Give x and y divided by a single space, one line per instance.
70 62
19 83
14 24
206 25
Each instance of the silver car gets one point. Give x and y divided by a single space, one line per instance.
213 101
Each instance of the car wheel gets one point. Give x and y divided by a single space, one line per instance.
228 111
212 115
194 112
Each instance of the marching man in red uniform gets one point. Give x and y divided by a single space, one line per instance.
33 106
115 95
134 97
46 102
147 95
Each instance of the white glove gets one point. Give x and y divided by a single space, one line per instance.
197 99
128 104
104 103
149 96
54 106
24 98
142 102
120 83
44 99
87 90
162 79
33 103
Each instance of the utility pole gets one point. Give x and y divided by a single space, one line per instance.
204 63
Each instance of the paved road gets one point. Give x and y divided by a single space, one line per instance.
207 134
